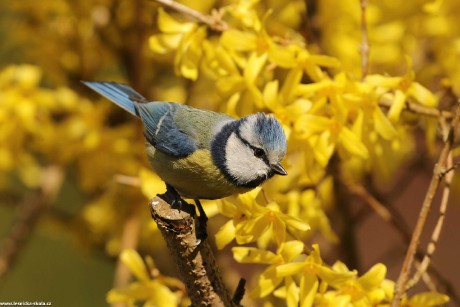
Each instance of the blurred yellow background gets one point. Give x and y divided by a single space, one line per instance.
74 179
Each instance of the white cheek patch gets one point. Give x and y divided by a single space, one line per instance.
241 162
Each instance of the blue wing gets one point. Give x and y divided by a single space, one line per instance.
157 117
121 94
161 130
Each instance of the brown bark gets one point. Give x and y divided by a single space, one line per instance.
195 261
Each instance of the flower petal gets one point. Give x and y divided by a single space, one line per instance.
238 40
295 223
397 106
383 125
279 230
289 269
282 56
270 95
373 277
422 95
135 291
266 284
225 235
308 289
253 255
254 67
290 292
135 263
428 299
164 43
167 24
290 250
352 143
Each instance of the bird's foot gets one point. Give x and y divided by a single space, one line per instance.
174 199
201 229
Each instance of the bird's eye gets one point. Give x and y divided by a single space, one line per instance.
259 153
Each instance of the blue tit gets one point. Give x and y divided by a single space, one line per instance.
203 154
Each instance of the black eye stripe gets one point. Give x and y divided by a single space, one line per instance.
245 142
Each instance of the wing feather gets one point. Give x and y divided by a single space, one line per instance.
158 118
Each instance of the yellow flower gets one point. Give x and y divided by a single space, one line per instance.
367 290
151 287
243 11
172 30
186 38
261 43
426 299
290 266
268 281
252 222
324 134
405 88
310 272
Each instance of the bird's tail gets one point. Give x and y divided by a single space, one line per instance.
121 94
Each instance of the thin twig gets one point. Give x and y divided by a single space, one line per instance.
239 292
133 181
364 47
448 175
438 175
402 229
418 109
379 208
427 280
213 22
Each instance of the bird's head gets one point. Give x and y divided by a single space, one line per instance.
253 150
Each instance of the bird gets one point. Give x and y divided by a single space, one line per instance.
201 154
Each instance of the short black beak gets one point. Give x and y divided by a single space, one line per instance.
278 169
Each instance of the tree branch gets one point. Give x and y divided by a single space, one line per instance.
438 175
418 109
214 22
382 211
390 216
448 175
196 262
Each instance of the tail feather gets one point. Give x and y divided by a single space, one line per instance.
121 94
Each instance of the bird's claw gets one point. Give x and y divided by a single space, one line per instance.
202 222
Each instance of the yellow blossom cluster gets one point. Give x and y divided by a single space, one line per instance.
427 31
152 287
269 57
326 111
43 127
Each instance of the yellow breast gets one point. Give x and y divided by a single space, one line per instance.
194 176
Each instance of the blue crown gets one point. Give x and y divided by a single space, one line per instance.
270 133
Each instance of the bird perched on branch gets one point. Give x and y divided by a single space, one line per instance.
203 154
